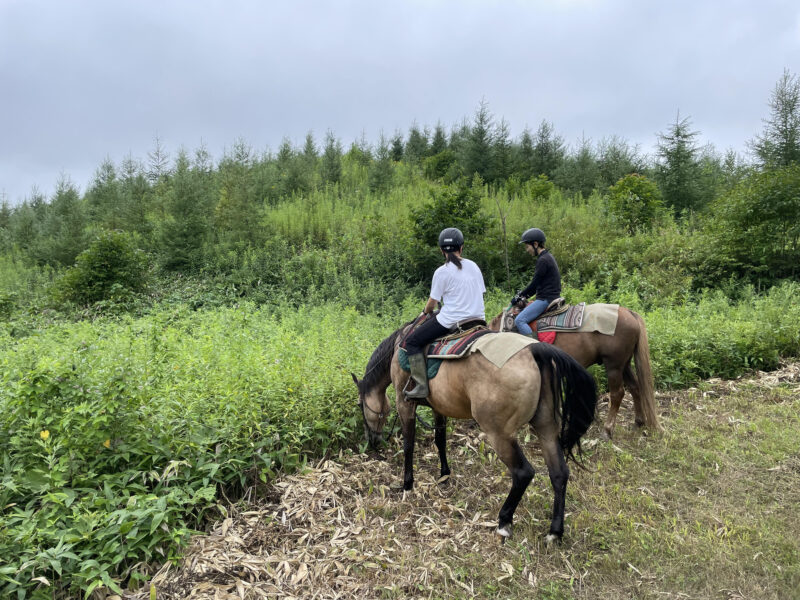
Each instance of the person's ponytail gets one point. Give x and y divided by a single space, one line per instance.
453 258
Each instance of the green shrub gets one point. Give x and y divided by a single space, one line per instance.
111 268
118 435
635 201
754 230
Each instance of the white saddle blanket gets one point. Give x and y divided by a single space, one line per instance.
497 348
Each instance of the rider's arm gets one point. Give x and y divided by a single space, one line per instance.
430 306
542 268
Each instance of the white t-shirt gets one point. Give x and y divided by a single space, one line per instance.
460 291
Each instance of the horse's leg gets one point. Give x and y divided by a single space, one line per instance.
521 475
632 384
440 433
615 394
559 476
409 437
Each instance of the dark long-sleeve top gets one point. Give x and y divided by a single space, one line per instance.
546 282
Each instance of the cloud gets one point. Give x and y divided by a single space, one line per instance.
83 81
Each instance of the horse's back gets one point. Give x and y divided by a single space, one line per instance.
591 347
473 387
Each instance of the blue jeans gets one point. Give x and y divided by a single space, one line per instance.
528 314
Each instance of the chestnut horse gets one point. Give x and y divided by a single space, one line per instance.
615 353
539 385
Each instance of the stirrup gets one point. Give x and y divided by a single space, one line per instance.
417 392
408 393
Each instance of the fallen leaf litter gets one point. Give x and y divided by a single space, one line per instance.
339 529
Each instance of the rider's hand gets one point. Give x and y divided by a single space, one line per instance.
516 299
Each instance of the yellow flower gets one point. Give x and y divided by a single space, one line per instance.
107 443
290 389
44 434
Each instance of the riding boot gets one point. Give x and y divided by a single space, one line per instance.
419 373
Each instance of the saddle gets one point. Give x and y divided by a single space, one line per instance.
451 346
457 344
556 307
454 344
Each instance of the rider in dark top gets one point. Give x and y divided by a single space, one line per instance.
546 283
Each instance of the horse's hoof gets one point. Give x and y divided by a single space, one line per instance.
443 479
551 539
607 435
399 488
503 533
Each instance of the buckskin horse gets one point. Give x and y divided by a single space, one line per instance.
615 352
539 385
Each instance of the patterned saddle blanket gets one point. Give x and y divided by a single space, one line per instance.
571 318
456 344
453 346
601 318
564 317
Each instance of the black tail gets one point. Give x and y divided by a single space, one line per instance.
574 386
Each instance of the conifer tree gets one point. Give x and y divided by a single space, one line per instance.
396 149
104 197
615 159
475 154
159 161
439 141
779 145
381 170
310 153
548 150
417 145
502 158
677 169
524 156
64 230
579 172
360 151
135 197
183 234
236 211
331 167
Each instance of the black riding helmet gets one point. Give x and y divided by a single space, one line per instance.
451 239
533 235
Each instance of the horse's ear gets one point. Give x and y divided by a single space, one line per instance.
355 379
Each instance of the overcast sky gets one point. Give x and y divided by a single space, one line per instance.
82 81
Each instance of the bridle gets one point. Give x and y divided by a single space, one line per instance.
384 435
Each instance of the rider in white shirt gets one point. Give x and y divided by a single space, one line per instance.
458 284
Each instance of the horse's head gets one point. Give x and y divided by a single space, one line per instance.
375 408
496 324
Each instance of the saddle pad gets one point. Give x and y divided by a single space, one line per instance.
548 337
500 347
601 318
568 320
455 345
432 364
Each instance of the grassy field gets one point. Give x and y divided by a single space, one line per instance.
707 509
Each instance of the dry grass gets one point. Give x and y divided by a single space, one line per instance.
706 510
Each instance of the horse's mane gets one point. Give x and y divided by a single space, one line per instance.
380 361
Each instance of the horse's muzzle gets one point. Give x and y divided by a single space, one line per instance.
375 439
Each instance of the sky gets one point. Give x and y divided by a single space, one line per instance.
85 81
